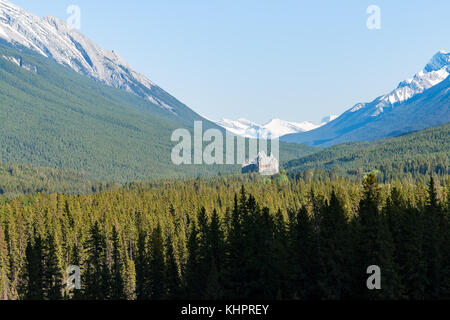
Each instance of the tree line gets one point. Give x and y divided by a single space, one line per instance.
239 247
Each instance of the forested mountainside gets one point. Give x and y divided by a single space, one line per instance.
53 117
243 238
19 180
416 155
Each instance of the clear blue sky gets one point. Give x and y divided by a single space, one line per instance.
296 60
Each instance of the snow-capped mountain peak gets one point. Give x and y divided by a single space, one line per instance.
280 127
273 129
436 71
439 61
55 39
416 104
329 118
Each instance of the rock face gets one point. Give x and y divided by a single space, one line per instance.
21 63
55 39
417 103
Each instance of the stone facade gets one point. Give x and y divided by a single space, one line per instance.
262 164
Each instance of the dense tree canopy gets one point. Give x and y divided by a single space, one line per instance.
228 238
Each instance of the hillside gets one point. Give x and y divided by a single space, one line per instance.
417 155
17 180
54 117
58 118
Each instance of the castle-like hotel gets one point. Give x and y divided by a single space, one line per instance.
263 164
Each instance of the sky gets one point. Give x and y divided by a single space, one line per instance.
294 60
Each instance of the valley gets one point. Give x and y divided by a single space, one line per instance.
111 188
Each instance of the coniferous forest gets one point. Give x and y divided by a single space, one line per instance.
242 237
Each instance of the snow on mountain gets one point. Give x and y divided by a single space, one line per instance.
417 103
329 118
55 39
440 60
275 128
280 128
436 71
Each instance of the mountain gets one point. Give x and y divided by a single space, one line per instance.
417 103
55 39
327 119
67 104
415 155
54 117
275 128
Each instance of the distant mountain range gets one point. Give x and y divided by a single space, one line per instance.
417 103
273 129
66 103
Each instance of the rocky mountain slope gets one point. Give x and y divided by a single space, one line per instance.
55 39
417 103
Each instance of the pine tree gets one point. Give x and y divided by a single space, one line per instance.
445 284
216 244
214 290
376 246
305 257
34 273
192 276
204 250
406 229
262 271
335 251
118 291
234 278
157 267
52 276
142 269
432 241
4 268
96 275
174 289
130 280
75 260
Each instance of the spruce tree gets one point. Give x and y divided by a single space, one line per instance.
174 289
335 251
263 278
34 270
75 260
234 278
305 256
142 268
52 276
4 268
157 267
376 246
432 241
216 240
193 278
214 289
405 225
96 275
117 290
